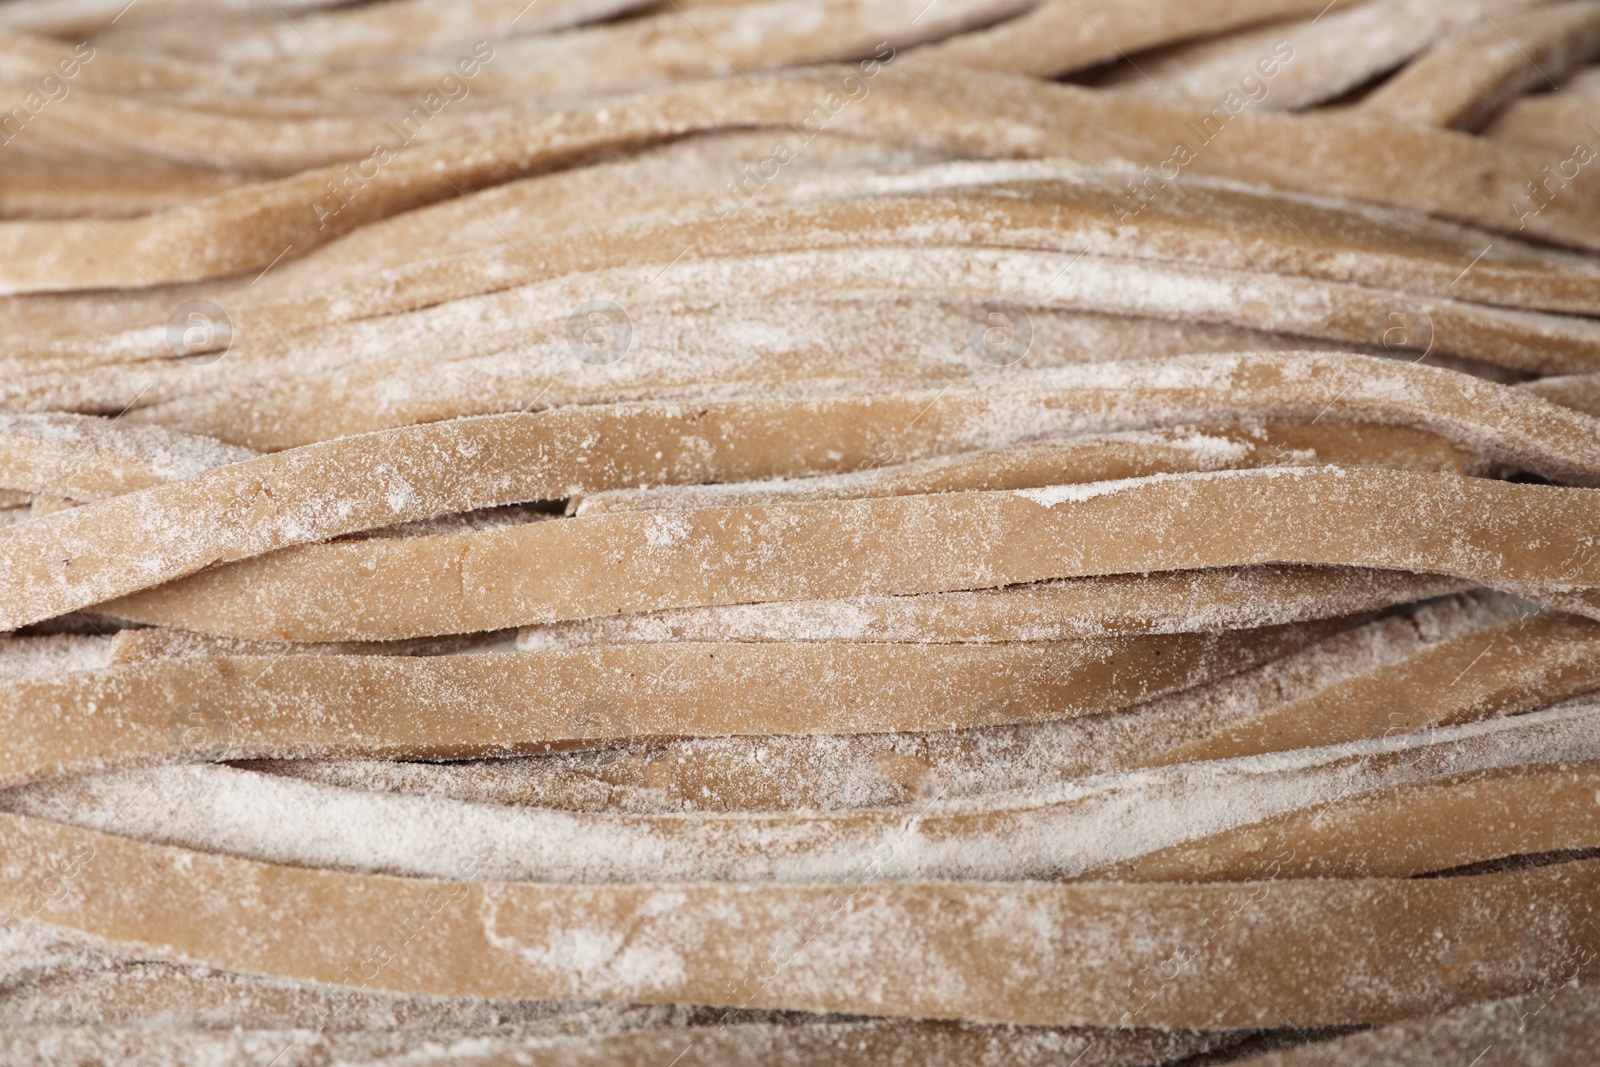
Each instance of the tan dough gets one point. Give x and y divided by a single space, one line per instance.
450 707
1028 952
1497 533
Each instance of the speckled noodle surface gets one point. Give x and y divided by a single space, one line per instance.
922 533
